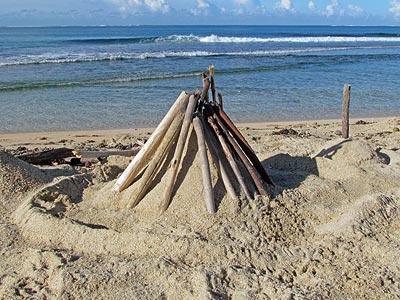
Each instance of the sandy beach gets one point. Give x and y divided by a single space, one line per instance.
330 231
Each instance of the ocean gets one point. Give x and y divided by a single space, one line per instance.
71 78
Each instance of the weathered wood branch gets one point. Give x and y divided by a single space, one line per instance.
219 160
48 156
220 102
229 156
205 166
346 111
156 163
107 153
146 153
173 169
246 162
206 87
245 146
212 81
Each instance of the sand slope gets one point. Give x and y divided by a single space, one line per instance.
331 231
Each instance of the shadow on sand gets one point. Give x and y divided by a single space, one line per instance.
288 172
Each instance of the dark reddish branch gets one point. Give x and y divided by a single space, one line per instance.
229 156
48 156
249 167
244 145
245 160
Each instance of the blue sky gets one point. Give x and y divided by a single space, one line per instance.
132 12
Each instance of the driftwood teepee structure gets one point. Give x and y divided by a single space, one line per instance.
215 131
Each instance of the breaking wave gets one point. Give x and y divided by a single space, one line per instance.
302 39
64 58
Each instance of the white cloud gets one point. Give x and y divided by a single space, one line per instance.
135 5
395 8
311 5
157 5
355 10
202 4
285 4
241 1
202 9
331 8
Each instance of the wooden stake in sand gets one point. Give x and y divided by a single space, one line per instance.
173 170
346 111
146 153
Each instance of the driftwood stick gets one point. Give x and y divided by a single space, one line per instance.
173 169
145 154
156 162
95 154
212 81
246 162
345 111
47 157
206 86
230 158
219 161
220 103
245 146
205 166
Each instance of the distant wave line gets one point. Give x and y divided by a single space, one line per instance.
115 40
99 57
298 39
94 82
213 38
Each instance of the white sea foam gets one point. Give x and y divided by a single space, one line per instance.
312 39
63 58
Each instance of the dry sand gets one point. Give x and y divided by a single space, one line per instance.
331 230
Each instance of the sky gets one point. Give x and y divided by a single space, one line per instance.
207 12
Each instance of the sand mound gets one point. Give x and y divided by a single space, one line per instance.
322 236
341 159
18 177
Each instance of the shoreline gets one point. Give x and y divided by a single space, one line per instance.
76 137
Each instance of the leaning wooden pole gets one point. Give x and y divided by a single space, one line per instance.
245 146
229 156
146 153
205 165
219 161
156 162
173 169
249 167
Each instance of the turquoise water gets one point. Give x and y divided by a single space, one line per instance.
65 78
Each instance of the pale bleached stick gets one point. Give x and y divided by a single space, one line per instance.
221 164
205 166
173 169
146 153
95 154
157 161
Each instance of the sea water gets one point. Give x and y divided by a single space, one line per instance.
67 78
